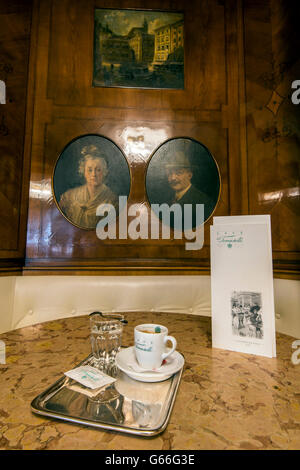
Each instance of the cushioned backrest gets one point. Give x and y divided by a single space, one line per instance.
27 300
43 298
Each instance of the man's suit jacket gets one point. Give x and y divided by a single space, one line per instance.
194 196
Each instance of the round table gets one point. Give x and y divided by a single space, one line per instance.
226 400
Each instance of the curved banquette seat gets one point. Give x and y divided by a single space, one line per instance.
28 300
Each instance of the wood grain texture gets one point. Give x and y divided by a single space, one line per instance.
67 106
15 20
237 55
273 147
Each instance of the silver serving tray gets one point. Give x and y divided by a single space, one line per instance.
127 405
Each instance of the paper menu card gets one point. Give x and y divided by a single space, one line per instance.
242 295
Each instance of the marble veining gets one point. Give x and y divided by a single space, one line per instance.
226 400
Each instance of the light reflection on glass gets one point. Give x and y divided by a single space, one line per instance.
274 196
52 245
40 190
141 141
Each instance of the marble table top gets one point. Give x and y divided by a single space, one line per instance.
226 400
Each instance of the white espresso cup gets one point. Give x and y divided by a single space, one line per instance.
150 345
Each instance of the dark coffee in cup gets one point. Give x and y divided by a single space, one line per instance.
151 332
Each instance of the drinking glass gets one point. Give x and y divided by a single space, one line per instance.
106 336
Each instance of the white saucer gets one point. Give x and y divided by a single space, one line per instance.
127 356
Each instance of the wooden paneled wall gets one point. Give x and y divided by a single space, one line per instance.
272 63
236 58
66 106
15 26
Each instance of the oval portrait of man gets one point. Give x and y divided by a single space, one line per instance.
90 171
181 176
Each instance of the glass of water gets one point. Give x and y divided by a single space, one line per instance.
106 336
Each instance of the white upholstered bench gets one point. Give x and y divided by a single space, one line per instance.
27 300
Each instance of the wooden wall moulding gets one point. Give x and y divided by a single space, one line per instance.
15 18
211 109
68 106
272 125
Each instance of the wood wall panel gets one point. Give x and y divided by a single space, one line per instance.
58 239
71 55
273 123
230 73
66 106
15 23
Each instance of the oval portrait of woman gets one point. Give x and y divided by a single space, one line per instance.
182 171
90 171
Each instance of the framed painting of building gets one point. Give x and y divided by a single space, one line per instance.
139 49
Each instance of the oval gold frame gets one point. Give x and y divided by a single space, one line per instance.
54 168
208 151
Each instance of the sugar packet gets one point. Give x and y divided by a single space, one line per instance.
90 376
